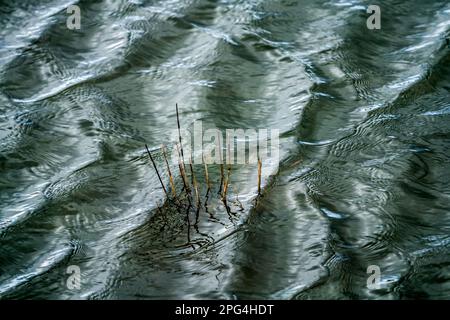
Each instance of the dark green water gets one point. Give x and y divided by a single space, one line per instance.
364 120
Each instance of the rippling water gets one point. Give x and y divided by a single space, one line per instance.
364 120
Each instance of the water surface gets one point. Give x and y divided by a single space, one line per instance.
364 120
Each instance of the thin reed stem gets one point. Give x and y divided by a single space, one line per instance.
172 184
221 168
179 136
194 183
227 179
156 169
208 184
259 176
182 172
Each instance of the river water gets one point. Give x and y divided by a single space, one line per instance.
363 178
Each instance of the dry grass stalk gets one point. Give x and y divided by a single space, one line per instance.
221 167
227 179
179 136
156 169
194 183
259 176
208 184
226 183
172 184
182 171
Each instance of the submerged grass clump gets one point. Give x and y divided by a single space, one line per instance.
188 199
